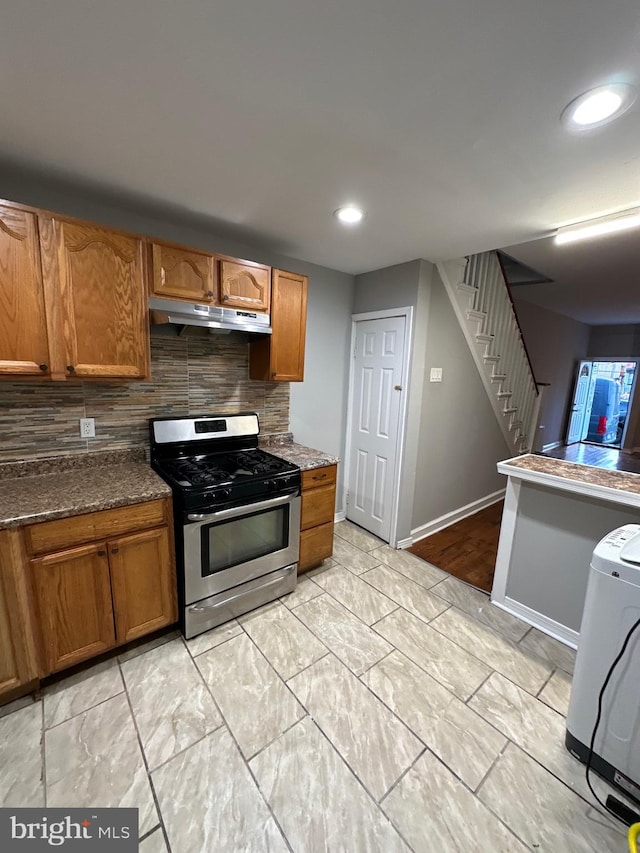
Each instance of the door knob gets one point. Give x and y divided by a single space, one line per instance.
397 387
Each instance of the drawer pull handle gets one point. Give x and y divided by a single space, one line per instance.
43 367
115 550
70 368
320 476
102 553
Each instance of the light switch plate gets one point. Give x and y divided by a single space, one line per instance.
436 374
88 427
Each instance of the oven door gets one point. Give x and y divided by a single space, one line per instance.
226 548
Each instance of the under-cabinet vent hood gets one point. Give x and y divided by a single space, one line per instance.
208 316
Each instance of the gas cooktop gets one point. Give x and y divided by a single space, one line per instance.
220 469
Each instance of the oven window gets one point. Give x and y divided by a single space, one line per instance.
239 540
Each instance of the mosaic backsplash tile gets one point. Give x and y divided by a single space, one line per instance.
190 375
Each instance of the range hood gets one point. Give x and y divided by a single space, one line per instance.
208 316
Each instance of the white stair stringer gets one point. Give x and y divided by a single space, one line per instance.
482 304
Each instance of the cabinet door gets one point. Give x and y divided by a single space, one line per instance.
280 356
74 598
102 287
244 284
318 506
183 274
143 583
24 347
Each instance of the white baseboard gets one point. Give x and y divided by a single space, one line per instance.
551 446
339 516
405 543
452 517
548 626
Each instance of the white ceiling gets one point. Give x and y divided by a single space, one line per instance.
441 118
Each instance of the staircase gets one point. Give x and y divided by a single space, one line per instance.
482 302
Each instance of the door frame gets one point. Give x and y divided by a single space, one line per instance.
384 314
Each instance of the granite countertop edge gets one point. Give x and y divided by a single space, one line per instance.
306 458
583 478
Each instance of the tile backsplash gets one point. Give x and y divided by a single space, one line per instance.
190 375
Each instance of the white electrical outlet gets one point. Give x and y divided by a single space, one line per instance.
436 374
88 427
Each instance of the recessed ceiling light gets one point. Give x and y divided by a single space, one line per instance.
598 106
599 227
349 214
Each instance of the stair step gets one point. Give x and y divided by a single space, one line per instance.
491 359
463 287
472 314
482 338
498 377
515 425
509 411
503 395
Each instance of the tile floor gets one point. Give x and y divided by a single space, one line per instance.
382 706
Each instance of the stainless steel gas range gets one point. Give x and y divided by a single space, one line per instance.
237 516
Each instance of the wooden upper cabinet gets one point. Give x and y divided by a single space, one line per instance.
280 356
183 273
102 287
244 284
24 346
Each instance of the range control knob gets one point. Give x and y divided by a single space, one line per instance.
271 485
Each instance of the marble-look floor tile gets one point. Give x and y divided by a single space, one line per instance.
320 805
214 637
143 646
17 704
413 597
96 758
459 737
494 649
283 639
545 647
305 590
256 704
409 565
544 813
432 651
209 802
81 691
478 605
347 637
366 603
352 558
557 692
533 726
153 843
434 811
21 758
171 705
357 536
374 743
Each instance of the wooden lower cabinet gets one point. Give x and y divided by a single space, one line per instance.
100 594
143 584
74 600
317 514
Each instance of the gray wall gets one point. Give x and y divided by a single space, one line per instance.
460 439
614 341
318 410
555 344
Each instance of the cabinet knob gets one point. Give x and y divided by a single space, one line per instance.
43 367
225 298
115 550
102 553
70 368
210 293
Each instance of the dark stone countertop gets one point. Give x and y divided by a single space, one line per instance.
306 458
60 487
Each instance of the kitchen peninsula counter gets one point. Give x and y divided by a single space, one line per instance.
554 515
306 458
60 487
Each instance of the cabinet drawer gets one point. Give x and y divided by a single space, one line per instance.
318 506
66 532
315 545
325 476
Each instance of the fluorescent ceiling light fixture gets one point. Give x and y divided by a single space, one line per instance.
349 214
598 106
599 227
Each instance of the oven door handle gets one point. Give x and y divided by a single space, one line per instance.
234 512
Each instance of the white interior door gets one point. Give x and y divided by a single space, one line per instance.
374 422
581 405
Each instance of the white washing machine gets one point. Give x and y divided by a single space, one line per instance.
611 608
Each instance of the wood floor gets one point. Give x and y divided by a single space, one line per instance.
595 454
467 549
